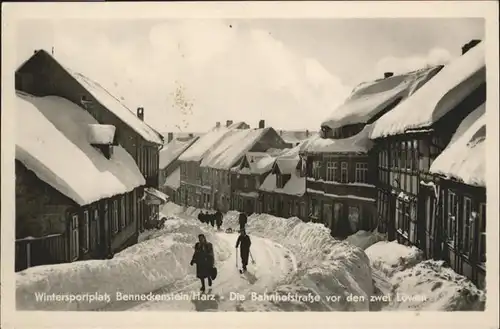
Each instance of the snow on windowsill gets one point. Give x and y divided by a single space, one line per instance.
348 196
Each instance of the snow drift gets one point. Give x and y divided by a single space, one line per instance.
147 266
325 266
416 284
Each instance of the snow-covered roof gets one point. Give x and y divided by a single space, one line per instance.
232 147
260 162
296 185
437 97
359 143
368 99
53 143
173 150
199 148
296 136
112 103
156 193
174 179
465 156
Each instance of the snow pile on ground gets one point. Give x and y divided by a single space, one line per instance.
417 284
325 266
365 239
147 266
391 257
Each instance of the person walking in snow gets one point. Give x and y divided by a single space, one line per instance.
212 220
200 217
218 219
203 257
242 220
204 218
244 243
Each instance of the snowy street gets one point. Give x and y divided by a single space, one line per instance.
298 264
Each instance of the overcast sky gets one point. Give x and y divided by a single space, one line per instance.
290 72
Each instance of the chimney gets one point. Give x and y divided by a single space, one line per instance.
262 124
217 124
281 132
170 137
140 113
307 133
229 122
190 135
469 45
388 74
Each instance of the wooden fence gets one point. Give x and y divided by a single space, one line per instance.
45 250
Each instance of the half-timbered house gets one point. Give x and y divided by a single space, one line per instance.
76 189
411 136
339 164
43 75
455 216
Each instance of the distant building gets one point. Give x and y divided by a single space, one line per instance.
169 165
205 165
283 192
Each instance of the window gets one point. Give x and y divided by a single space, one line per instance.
354 218
245 182
315 208
257 183
279 181
468 226
115 216
303 210
84 242
344 177
409 155
452 216
415 155
331 171
316 170
95 238
403 155
482 233
361 172
327 215
394 155
123 218
337 212
74 242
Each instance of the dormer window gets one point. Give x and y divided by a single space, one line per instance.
279 181
341 132
102 137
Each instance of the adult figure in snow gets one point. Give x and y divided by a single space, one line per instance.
244 243
203 257
218 219
212 219
204 218
200 217
242 220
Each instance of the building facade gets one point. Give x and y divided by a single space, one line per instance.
43 75
415 205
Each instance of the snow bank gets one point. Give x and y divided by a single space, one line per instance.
54 141
325 266
232 147
365 239
465 156
415 284
147 266
442 93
